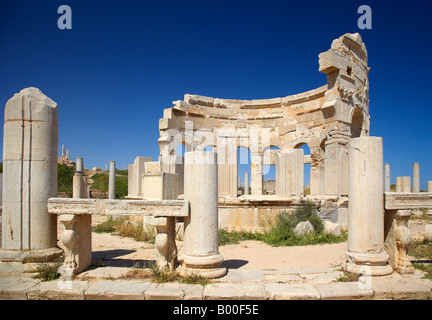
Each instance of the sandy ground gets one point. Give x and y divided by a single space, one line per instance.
115 254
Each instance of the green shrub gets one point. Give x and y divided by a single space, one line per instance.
279 231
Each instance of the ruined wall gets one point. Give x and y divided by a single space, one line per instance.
324 119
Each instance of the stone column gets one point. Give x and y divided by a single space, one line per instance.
112 182
79 182
366 254
405 184
416 177
387 181
201 248
30 145
246 184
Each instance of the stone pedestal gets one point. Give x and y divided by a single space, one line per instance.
366 254
201 248
29 232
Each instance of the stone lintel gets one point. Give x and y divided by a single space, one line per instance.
401 201
161 208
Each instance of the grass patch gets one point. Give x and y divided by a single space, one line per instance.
153 273
349 277
48 271
280 230
126 228
422 250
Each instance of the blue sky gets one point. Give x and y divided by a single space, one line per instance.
123 62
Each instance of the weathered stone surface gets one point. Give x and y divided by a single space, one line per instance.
173 291
405 201
398 288
344 291
303 228
299 291
228 291
16 288
58 290
332 228
117 290
170 208
244 275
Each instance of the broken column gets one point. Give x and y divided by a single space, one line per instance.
366 254
387 181
29 233
201 248
112 182
416 177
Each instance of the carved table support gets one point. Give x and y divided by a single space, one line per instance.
397 239
166 248
76 239
69 239
403 239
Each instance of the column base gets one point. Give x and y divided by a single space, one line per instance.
27 260
369 264
205 266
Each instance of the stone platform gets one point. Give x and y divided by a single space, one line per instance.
312 284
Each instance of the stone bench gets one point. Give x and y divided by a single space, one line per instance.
75 214
398 207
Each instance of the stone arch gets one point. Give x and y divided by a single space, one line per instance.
357 123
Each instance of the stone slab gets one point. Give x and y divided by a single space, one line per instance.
174 291
168 208
15 288
117 290
58 290
399 288
231 291
235 275
298 291
344 291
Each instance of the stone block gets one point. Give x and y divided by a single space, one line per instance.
344 291
230 291
58 290
174 291
303 228
117 290
298 291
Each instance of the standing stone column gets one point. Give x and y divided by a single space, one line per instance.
366 254
29 232
79 185
387 181
246 184
112 182
201 248
416 177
